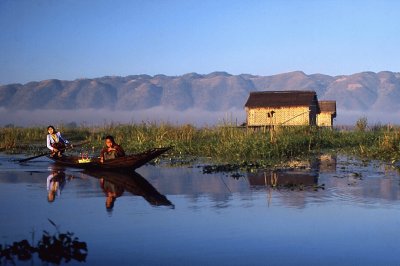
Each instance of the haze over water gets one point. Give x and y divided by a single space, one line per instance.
160 115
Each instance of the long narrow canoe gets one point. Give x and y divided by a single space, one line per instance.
129 162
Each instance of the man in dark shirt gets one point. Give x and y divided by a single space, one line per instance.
112 150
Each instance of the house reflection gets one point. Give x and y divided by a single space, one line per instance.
299 173
286 181
299 176
327 163
283 178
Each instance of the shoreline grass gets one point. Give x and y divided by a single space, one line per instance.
221 143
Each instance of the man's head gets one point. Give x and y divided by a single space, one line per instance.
110 141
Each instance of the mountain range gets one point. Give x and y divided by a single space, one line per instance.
217 91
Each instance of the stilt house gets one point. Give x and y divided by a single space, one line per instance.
327 114
286 108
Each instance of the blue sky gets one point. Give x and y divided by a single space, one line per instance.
46 39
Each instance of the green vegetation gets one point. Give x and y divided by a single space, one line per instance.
223 143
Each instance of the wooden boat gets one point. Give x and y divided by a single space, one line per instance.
131 182
129 162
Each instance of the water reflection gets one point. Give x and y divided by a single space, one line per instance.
344 178
288 186
114 184
284 178
299 174
55 183
365 182
301 183
327 163
112 192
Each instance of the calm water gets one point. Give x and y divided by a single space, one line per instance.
179 216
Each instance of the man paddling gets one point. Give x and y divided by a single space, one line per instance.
112 150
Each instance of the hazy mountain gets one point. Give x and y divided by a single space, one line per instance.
217 91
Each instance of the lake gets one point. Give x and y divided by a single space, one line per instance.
332 210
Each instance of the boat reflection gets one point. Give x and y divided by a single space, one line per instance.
114 184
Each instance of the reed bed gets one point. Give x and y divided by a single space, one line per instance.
221 143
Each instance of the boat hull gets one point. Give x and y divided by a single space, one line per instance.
131 162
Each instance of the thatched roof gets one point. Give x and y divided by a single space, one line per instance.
327 107
281 99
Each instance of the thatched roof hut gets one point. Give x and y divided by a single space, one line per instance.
327 114
270 108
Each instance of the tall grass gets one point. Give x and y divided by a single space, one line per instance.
223 142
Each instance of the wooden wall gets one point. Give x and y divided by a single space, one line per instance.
325 119
287 116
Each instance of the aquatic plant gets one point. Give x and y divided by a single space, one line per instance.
56 248
361 124
224 143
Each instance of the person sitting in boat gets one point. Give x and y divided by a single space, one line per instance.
55 142
112 150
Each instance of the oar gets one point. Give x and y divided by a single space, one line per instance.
33 157
47 153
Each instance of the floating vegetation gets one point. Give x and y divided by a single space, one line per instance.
243 167
56 248
299 187
209 169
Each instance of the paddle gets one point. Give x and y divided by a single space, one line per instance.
47 153
33 157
